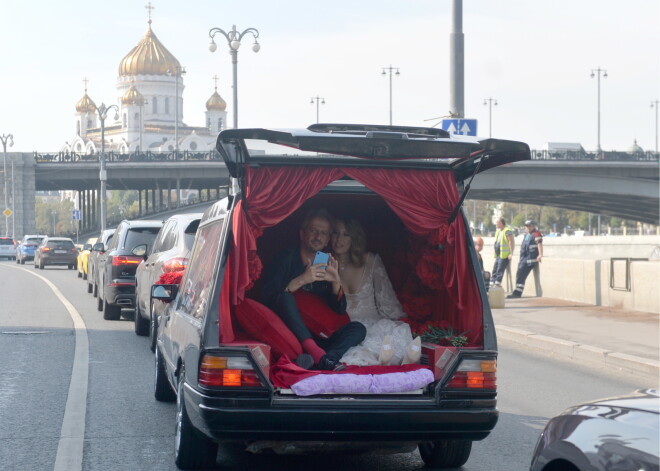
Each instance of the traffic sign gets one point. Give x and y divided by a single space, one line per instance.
75 215
466 127
7 212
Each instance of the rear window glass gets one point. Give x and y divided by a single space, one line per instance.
6 242
141 235
189 235
34 240
60 244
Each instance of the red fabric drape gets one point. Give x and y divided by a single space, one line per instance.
422 199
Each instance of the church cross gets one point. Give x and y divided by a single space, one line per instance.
85 81
149 8
215 79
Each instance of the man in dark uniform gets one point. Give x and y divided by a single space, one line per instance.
531 253
293 270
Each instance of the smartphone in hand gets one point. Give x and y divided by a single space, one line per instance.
321 257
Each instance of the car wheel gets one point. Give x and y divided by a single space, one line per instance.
22 261
191 450
141 324
42 265
18 260
153 327
95 291
84 276
89 287
163 391
110 311
445 453
73 267
99 303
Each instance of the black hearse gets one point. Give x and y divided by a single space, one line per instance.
406 186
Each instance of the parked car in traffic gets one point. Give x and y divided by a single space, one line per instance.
83 258
169 253
98 248
26 247
620 433
56 251
217 342
116 266
7 248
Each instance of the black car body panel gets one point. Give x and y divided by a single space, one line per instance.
616 433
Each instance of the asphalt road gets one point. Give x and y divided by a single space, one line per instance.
126 429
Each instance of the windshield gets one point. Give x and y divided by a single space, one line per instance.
141 235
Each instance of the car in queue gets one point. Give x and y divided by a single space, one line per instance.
56 251
620 433
7 248
98 248
82 262
169 253
26 247
215 351
117 265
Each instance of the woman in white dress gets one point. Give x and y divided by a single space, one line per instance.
372 301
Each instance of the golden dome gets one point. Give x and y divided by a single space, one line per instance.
149 57
132 97
85 104
216 103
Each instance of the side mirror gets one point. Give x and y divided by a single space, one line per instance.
98 247
140 251
165 293
87 247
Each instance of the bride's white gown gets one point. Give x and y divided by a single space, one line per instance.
375 305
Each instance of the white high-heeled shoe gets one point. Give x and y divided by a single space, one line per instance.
413 351
386 351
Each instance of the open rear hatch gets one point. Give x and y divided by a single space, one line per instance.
358 145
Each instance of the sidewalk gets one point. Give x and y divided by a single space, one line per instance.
617 338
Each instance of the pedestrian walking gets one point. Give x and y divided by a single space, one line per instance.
504 245
531 253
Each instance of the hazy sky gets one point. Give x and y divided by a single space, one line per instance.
535 57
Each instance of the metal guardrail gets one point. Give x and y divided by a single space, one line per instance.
627 281
186 155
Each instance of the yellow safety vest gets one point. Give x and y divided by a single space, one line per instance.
500 236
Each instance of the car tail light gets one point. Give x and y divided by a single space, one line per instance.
175 264
45 249
121 260
475 374
74 250
228 372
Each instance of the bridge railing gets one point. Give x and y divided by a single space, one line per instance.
112 156
187 155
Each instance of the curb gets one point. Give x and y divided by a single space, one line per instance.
581 352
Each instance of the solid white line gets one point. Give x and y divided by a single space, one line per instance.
72 435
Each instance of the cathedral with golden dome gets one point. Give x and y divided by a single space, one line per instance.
149 114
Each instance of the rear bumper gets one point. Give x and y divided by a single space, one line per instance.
121 293
58 261
256 419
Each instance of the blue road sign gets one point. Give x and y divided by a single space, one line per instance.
466 127
75 215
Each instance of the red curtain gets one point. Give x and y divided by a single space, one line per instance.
424 200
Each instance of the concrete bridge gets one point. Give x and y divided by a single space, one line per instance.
626 189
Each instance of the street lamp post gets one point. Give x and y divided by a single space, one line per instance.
654 104
233 38
102 110
390 69
54 214
318 100
490 102
177 71
6 138
597 73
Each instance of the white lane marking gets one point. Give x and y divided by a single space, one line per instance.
70 447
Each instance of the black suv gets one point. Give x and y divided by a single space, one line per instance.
406 186
116 266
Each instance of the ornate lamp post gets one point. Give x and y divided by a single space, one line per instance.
490 102
597 73
317 99
177 71
654 104
233 38
390 69
6 138
102 111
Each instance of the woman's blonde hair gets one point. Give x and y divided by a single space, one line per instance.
358 250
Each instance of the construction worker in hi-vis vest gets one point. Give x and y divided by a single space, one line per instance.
504 245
